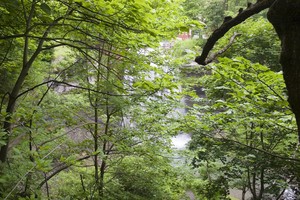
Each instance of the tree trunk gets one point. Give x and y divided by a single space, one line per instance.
285 17
101 181
7 125
244 193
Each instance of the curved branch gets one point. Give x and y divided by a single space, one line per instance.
61 168
215 55
227 25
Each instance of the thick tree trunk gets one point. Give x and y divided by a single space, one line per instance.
285 17
7 125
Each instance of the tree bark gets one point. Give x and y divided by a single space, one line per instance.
285 17
7 125
226 26
28 60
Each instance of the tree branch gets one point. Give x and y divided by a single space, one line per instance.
215 55
6 53
2 100
63 167
227 25
6 37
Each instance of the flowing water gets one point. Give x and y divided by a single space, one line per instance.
181 140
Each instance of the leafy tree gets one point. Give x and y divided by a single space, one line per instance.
258 42
246 126
44 26
148 178
80 74
287 30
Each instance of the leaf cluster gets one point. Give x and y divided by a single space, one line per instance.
244 123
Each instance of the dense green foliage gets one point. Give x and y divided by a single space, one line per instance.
258 42
244 129
83 100
90 102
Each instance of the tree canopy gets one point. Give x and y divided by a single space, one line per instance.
93 94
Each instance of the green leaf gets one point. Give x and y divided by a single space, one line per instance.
46 8
43 165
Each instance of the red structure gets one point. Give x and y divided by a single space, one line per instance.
185 35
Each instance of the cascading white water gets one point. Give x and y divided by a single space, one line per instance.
290 194
181 140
